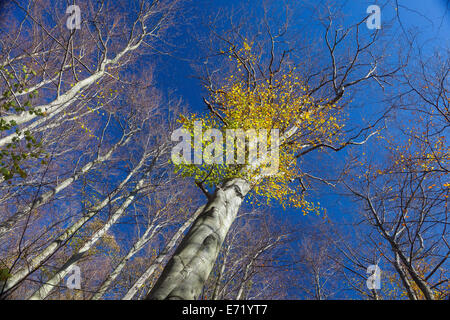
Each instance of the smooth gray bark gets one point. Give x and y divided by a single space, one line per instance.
190 266
161 257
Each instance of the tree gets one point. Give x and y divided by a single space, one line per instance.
405 201
263 92
103 170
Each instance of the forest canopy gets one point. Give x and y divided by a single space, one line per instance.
238 150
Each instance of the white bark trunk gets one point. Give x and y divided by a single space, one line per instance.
63 101
46 288
139 244
404 278
189 268
37 261
52 109
9 223
161 257
423 285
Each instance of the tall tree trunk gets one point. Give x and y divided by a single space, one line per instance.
423 285
7 225
54 246
139 244
63 101
190 266
47 287
216 291
161 257
404 278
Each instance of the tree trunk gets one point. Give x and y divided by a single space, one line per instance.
189 268
37 261
147 274
423 285
404 278
62 102
47 287
140 243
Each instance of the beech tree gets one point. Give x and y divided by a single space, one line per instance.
263 91
405 198
65 146
252 262
107 166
